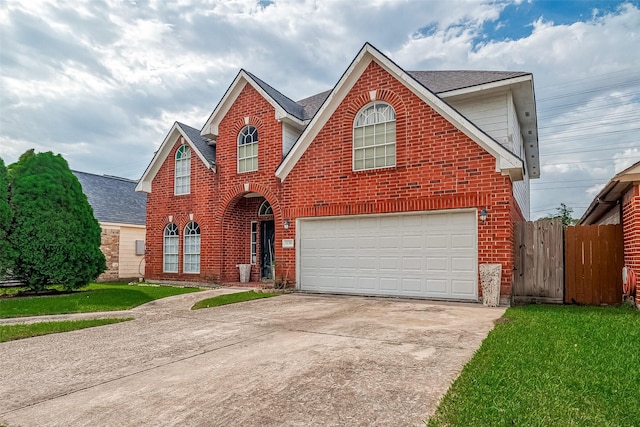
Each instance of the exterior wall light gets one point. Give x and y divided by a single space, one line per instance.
483 215
286 224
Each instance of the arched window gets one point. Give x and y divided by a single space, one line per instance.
170 264
192 248
265 209
182 184
248 149
374 137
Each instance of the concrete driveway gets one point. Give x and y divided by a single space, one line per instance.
294 360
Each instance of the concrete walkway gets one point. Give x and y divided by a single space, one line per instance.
292 360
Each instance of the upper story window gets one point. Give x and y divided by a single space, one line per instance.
248 149
192 248
170 249
374 137
182 183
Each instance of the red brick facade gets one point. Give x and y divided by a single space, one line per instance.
631 232
437 167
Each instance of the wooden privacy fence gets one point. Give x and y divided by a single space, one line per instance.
593 264
578 264
538 274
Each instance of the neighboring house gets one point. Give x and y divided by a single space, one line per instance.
374 187
121 214
619 203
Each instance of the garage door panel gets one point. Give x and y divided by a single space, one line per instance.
389 263
437 286
348 262
462 287
412 241
367 283
462 265
390 284
410 263
424 254
437 241
413 286
462 241
436 264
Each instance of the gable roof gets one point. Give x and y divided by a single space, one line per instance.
201 146
113 199
507 162
608 197
285 108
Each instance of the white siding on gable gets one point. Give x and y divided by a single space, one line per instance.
289 137
489 113
496 115
521 190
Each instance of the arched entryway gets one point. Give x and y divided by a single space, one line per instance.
248 237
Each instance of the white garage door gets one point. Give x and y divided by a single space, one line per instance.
431 255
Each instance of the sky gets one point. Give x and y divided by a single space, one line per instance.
102 81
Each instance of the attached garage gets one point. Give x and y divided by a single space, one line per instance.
424 254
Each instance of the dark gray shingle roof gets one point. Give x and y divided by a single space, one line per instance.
208 151
289 105
312 104
444 81
114 199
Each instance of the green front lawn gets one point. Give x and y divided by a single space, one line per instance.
95 297
231 298
16 332
551 366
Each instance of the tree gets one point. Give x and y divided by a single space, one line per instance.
564 214
54 232
7 254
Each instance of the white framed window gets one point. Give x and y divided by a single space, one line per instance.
182 182
265 209
374 137
254 241
192 248
248 149
170 249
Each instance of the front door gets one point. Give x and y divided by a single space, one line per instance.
267 246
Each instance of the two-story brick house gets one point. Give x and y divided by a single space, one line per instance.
391 183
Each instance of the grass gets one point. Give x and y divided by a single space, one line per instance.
551 365
17 332
95 297
231 298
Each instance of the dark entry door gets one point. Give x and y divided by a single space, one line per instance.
267 246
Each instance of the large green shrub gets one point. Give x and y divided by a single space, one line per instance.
6 250
54 232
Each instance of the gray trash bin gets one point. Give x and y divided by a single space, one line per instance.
245 272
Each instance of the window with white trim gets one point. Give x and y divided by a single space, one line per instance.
374 137
248 149
254 241
182 182
170 249
192 248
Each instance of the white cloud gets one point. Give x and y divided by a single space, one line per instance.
626 158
